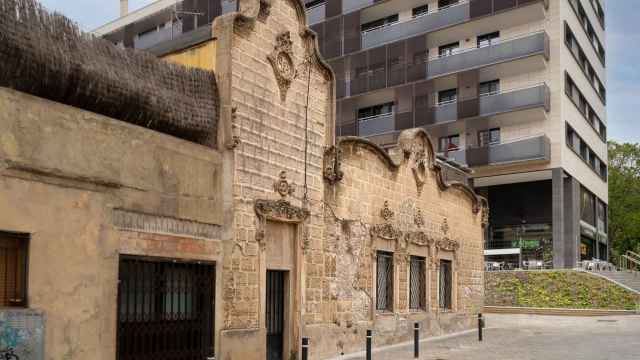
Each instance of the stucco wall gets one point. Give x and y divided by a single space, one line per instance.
63 171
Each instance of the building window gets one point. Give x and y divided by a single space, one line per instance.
384 281
445 285
447 96
418 288
420 10
445 3
13 269
389 20
488 39
449 143
375 111
587 207
489 87
448 49
489 137
314 3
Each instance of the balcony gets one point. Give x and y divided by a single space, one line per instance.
376 125
494 104
152 38
537 148
431 21
506 50
316 14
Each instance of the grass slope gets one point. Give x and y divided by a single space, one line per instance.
556 289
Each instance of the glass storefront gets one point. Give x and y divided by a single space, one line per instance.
587 251
534 242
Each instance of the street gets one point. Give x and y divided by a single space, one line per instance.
535 337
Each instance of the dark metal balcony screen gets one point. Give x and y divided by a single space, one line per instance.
417 289
445 284
165 310
384 280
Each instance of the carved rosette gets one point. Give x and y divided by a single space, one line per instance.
332 172
281 60
418 218
386 213
283 187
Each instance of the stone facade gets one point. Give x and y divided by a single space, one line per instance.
279 193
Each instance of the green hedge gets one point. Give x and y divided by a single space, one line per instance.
556 289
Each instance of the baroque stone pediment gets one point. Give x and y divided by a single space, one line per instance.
419 238
447 244
280 210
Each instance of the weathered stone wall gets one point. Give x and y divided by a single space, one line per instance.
88 188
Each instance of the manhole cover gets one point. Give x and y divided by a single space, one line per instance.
608 321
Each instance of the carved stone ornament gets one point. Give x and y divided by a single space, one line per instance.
281 60
447 244
283 187
280 210
485 216
419 238
385 231
445 227
332 172
386 213
419 169
418 218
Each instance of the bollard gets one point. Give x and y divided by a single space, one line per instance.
416 340
480 326
305 348
369 338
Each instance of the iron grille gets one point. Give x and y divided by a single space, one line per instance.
165 310
275 314
13 269
384 289
445 284
417 290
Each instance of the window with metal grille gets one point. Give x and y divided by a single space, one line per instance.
13 269
165 309
418 289
445 285
384 276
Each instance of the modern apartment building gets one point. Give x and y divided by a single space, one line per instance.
514 89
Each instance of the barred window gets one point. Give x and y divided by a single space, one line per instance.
446 285
418 289
384 283
13 269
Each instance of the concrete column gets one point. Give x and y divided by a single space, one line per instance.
572 222
124 7
558 216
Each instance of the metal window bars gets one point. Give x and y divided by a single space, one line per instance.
417 289
445 285
384 277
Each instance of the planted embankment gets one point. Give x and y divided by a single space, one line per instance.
556 289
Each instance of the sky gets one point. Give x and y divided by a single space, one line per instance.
623 54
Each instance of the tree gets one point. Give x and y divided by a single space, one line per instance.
624 197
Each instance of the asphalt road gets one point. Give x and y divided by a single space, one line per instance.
534 337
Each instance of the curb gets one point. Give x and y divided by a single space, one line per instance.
555 311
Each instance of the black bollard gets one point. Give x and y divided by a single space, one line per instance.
369 338
305 348
480 326
416 340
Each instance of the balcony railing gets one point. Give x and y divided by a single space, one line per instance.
506 50
431 21
153 38
316 14
376 125
494 104
528 149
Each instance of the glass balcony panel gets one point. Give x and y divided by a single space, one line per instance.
529 149
316 14
505 51
376 125
425 23
351 5
514 100
445 113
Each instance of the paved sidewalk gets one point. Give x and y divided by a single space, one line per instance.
535 337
